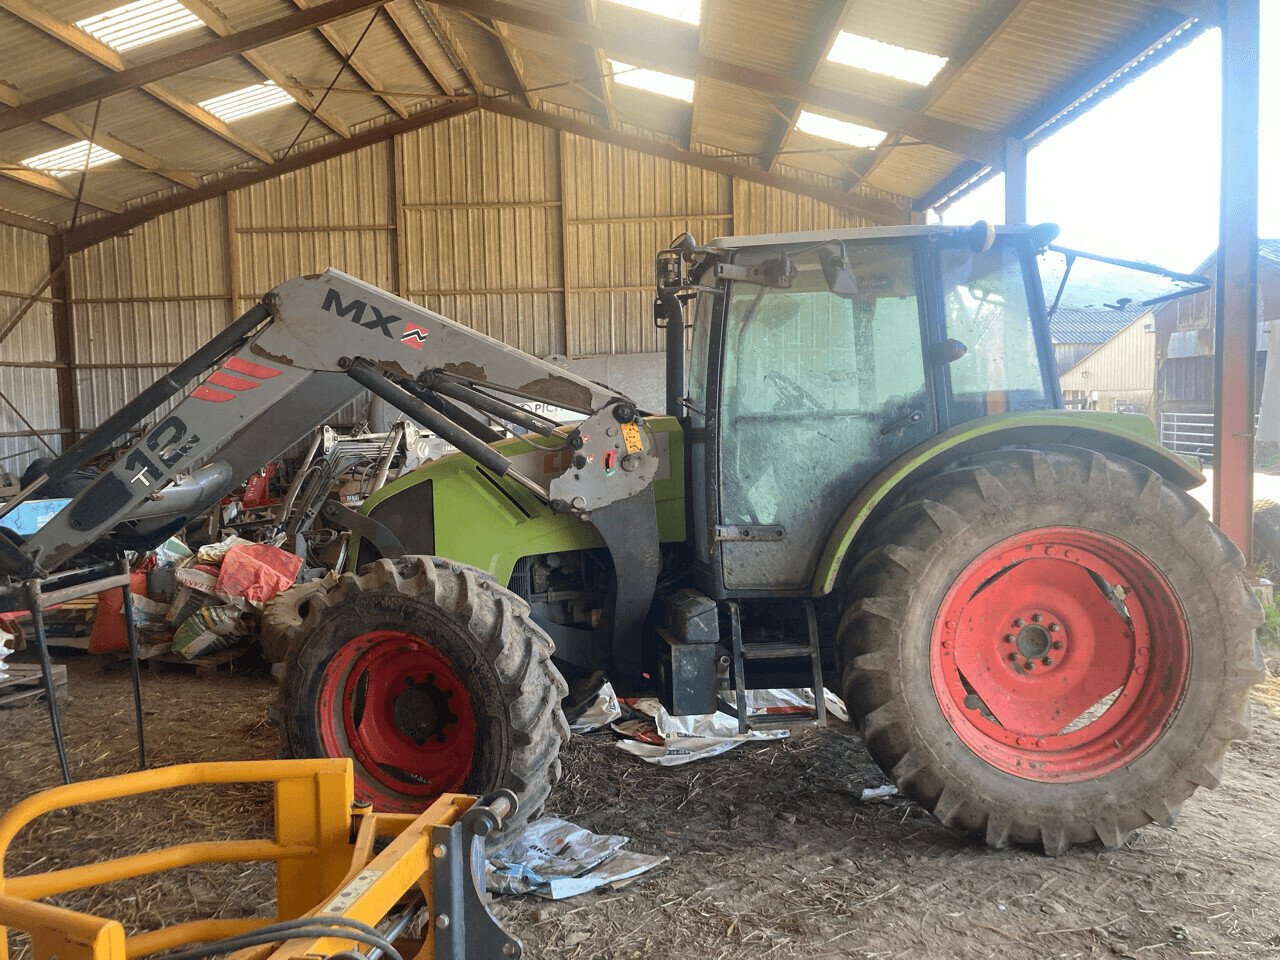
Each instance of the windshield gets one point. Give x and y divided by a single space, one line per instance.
1075 280
985 297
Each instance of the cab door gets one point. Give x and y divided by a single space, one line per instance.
818 391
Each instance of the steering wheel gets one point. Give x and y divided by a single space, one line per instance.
792 394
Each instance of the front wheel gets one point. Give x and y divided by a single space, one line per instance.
1049 647
433 679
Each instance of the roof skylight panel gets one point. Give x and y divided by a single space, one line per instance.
886 59
138 23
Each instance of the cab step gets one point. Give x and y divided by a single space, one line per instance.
744 652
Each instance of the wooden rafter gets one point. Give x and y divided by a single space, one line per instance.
459 53
82 43
824 29
596 60
515 60
977 41
59 187
358 62
679 53
427 57
23 222
216 22
10 97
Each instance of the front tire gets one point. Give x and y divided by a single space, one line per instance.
1049 647
433 679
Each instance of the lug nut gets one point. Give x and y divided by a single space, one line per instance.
1030 665
1013 657
1054 627
1019 622
1037 618
1057 644
1009 638
1047 661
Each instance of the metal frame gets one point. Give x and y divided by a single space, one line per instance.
335 861
40 592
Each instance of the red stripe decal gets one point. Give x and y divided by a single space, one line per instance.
251 369
220 379
212 395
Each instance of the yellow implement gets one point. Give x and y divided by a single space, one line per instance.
346 877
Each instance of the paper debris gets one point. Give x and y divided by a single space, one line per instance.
671 741
557 859
879 793
602 711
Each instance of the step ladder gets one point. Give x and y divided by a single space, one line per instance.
744 652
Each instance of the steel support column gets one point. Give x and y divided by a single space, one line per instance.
64 342
1015 181
1236 321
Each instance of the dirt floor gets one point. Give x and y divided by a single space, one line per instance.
772 852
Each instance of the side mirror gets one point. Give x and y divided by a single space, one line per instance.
837 271
946 352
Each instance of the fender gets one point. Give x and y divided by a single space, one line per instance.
467 514
1120 434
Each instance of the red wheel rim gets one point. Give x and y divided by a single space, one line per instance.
1042 674
397 706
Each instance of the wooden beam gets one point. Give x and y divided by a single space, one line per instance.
23 222
823 31
216 22
410 32
97 89
107 227
596 58
128 78
358 63
442 24
10 97
677 52
58 187
873 208
986 30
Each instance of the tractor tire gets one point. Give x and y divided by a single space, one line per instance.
433 679
284 614
1002 686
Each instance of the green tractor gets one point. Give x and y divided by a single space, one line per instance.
866 482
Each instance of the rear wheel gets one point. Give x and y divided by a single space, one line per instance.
1049 647
432 679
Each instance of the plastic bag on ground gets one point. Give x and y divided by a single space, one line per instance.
671 741
602 711
557 859
211 629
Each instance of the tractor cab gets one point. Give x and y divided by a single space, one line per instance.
818 359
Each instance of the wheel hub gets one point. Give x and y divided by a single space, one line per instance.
422 710
1046 652
397 706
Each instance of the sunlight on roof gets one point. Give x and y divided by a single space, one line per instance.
841 131
247 102
651 81
70 159
686 11
144 21
886 59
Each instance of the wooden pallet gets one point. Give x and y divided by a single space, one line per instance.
205 668
24 684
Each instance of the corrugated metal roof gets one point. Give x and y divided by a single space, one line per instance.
414 50
1090 326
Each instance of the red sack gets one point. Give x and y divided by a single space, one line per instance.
257 571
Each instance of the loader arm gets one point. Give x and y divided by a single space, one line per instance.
309 348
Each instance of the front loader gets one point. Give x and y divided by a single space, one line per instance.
863 480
